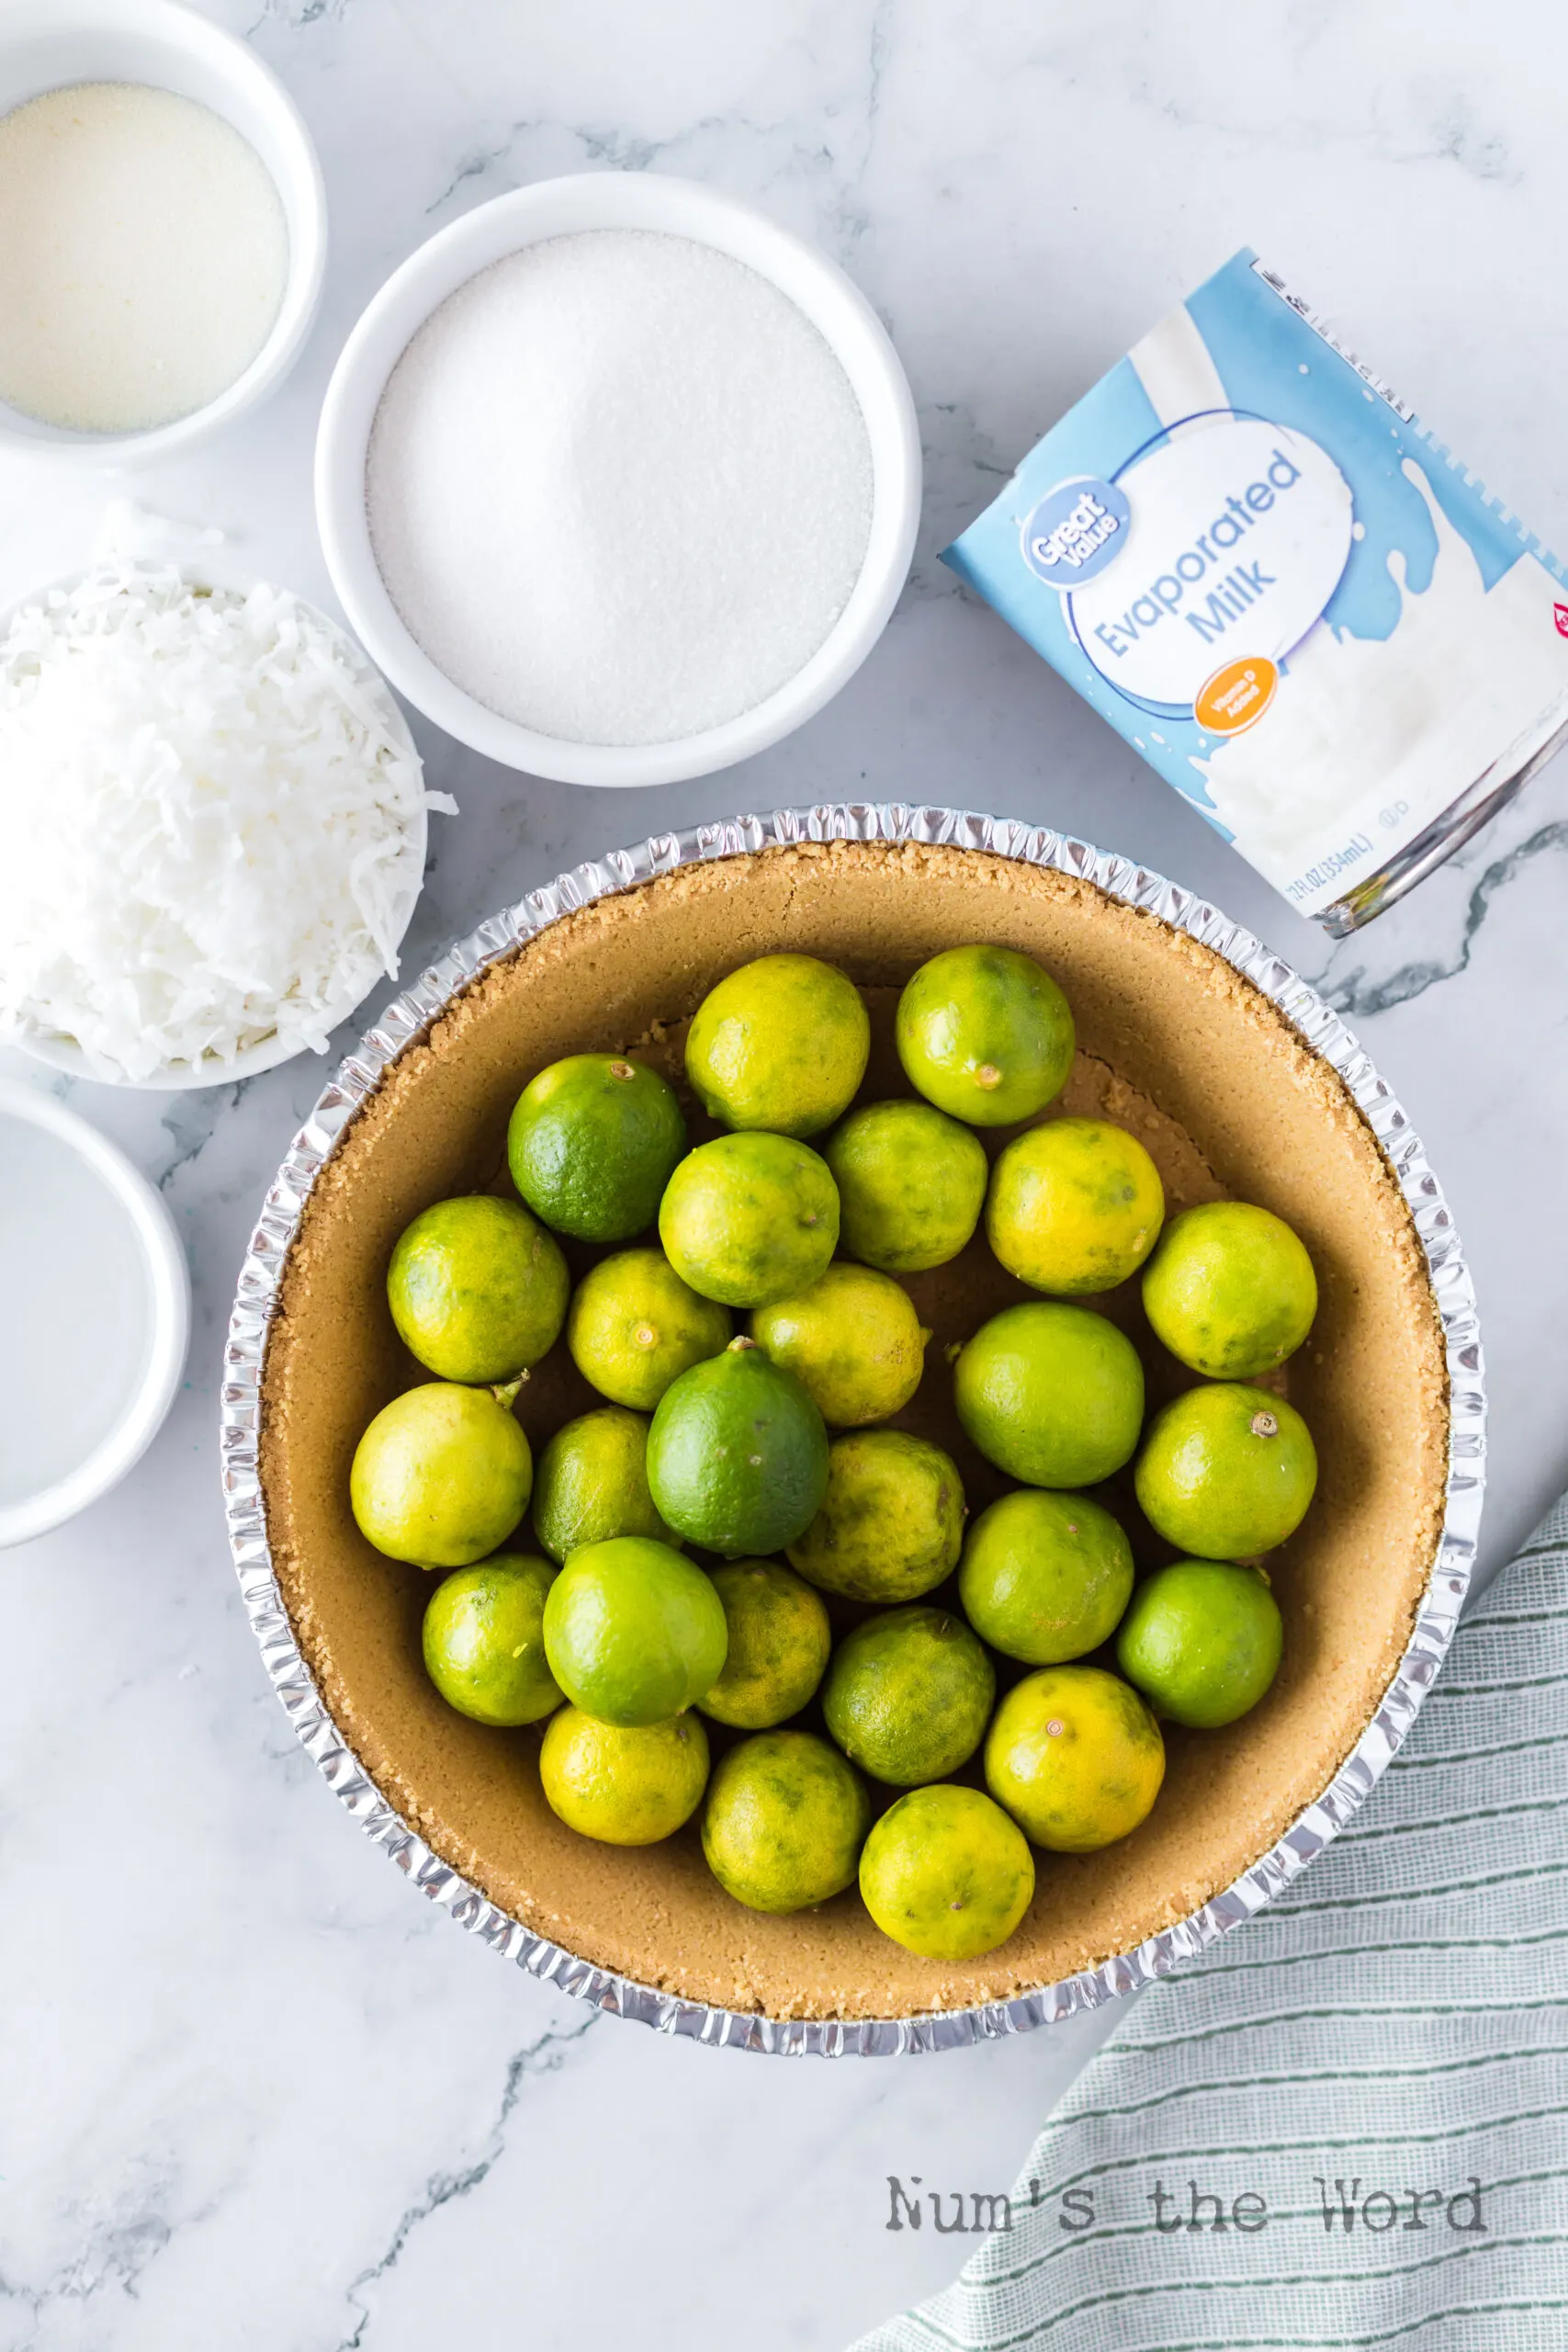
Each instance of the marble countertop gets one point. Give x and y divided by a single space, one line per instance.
256 2093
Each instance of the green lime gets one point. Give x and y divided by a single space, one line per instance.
484 1640
626 1785
749 1219
591 1482
633 1633
1229 1290
441 1477
891 1522
784 1821
779 1640
477 1289
1074 1205
908 1695
1075 1757
946 1874
1046 1576
911 1184
738 1455
593 1143
635 1326
1201 1640
1052 1395
986 1034
1226 1472
853 1339
781 1043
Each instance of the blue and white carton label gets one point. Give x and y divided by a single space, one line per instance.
1261 569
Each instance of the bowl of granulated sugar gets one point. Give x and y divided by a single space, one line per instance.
618 480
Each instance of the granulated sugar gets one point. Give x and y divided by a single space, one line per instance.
619 488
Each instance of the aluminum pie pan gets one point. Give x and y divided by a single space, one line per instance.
408 1018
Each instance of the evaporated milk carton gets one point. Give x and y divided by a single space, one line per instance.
1260 567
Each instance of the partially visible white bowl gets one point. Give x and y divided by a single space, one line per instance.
178 1078
47 44
148 1230
561 207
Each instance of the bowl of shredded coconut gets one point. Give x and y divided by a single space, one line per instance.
216 827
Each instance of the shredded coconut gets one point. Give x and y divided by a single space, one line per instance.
213 811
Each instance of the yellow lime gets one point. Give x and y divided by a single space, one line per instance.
1046 1576
738 1455
477 1289
779 1640
1226 1472
591 1482
484 1640
1052 1395
853 1340
635 1326
593 1143
749 1219
784 1821
891 1522
1231 1290
946 1874
911 1183
908 1695
633 1633
625 1785
1201 1640
781 1043
441 1477
986 1034
1075 1757
1074 1205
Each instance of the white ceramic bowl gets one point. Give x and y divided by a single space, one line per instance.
178 1078
138 1229
561 207
46 44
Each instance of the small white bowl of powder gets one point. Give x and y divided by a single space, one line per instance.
617 481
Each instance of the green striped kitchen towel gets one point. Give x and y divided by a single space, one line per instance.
1348 2125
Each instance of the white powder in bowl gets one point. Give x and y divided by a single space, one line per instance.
619 488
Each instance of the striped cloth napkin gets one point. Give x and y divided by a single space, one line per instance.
1348 2125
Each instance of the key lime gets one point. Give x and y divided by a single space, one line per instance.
593 1143
633 1633
1201 1640
749 1219
738 1455
1052 1395
779 1642
635 1325
627 1786
477 1289
891 1523
484 1640
986 1034
441 1477
1226 1472
591 1482
908 1695
782 1045
1074 1207
911 1184
784 1821
1046 1576
1075 1757
854 1340
1229 1290
946 1874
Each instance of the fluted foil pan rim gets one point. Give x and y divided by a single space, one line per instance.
409 1017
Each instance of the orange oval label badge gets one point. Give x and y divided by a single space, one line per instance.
1237 695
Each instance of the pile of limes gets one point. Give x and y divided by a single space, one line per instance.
720 1440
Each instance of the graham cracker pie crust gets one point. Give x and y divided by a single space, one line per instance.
1174 1044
